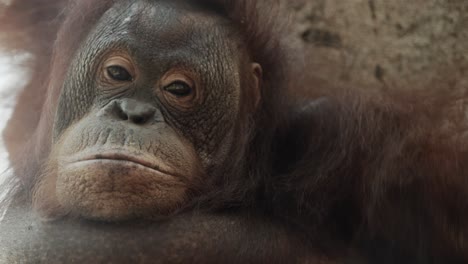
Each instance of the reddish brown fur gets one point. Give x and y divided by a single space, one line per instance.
393 166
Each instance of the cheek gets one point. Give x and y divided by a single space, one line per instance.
108 171
216 128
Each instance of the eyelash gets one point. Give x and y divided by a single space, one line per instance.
186 91
180 91
113 70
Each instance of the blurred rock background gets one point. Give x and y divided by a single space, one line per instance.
382 44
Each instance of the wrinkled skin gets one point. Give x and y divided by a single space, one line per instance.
175 131
131 148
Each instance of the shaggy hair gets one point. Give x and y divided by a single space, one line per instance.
384 169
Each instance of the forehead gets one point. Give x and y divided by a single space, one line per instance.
163 27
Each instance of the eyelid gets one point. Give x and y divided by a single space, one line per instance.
177 77
187 77
121 61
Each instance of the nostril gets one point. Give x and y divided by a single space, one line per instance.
143 117
121 114
131 110
139 120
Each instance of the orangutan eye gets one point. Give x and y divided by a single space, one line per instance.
119 73
179 89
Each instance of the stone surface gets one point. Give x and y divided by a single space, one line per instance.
381 44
